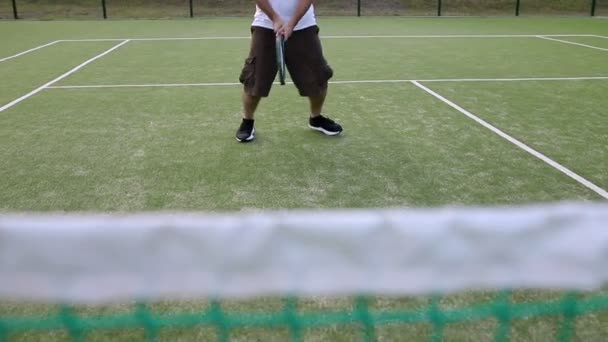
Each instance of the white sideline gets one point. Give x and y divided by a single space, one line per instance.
44 86
457 36
572 43
603 193
218 84
80 258
28 51
148 85
338 37
520 79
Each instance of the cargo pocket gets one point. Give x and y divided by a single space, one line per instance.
248 72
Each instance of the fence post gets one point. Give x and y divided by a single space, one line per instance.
358 8
439 8
103 9
517 5
15 14
593 4
191 9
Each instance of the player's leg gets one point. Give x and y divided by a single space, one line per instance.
257 76
250 104
316 103
310 72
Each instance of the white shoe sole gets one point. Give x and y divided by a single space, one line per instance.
324 131
249 138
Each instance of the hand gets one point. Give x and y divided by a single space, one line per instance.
278 25
286 30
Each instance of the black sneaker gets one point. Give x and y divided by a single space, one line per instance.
325 125
246 131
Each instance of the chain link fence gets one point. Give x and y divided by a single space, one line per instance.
119 9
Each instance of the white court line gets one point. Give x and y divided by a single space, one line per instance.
151 39
460 36
337 37
517 143
573 43
28 51
521 79
148 85
93 40
336 82
42 87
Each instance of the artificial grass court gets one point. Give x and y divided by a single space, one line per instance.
150 126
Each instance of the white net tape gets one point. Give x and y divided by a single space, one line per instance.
109 257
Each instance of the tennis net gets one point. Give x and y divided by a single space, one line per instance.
472 273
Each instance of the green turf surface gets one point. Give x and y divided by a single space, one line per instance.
173 148
566 120
402 58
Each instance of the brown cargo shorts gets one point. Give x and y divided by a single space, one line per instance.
307 67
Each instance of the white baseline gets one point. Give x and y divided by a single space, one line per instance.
339 37
324 37
222 84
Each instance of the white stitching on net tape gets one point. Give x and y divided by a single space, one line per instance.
96 257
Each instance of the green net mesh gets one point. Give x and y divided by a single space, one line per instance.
570 316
